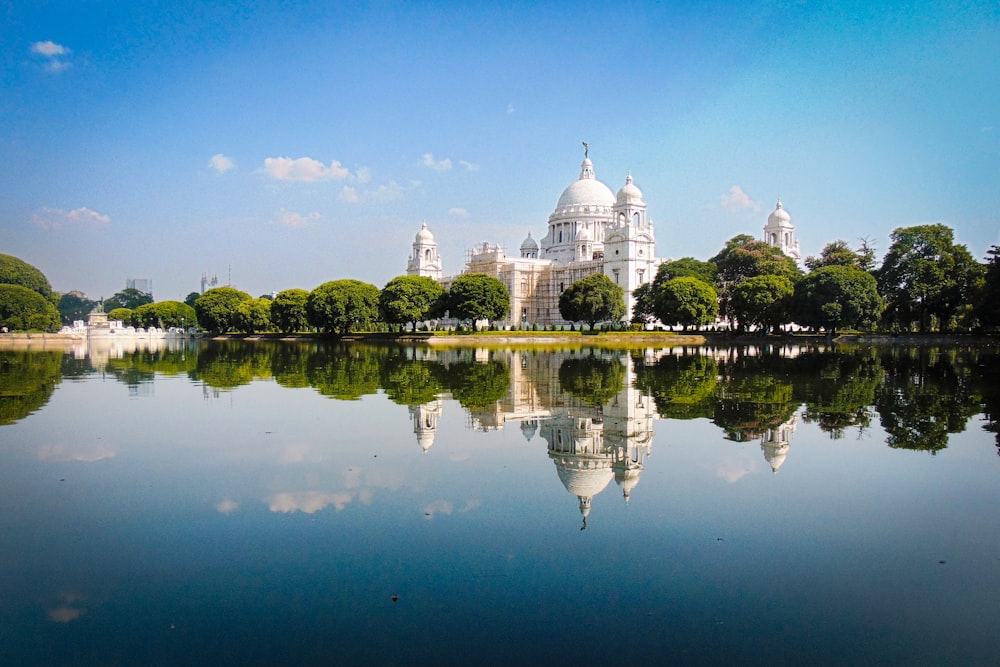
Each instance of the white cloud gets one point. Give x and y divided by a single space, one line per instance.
295 219
304 169
226 506
469 166
510 108
308 502
438 165
458 212
350 195
76 451
53 53
736 200
391 191
221 163
363 175
55 218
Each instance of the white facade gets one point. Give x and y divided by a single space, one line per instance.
591 230
779 232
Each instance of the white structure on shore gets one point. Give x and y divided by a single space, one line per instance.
590 231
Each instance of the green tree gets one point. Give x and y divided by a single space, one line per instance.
687 267
836 253
128 298
744 257
644 310
14 271
23 309
74 306
987 306
338 306
124 315
836 296
410 299
687 301
253 315
478 386
926 275
217 308
683 386
288 311
477 296
592 379
29 379
592 299
164 314
191 298
764 301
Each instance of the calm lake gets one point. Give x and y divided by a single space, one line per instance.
307 503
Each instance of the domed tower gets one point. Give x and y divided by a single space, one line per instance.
424 260
630 244
425 422
779 232
529 248
585 204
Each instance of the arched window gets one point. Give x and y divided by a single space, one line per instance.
427 254
635 219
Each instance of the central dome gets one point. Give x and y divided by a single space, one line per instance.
587 190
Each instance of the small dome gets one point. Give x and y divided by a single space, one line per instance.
779 215
424 235
584 235
529 244
629 193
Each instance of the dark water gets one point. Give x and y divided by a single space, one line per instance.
304 504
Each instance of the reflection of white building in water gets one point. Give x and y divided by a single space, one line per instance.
591 230
776 441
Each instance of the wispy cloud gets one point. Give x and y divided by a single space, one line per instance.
736 201
350 195
458 212
295 219
510 108
56 218
469 166
304 169
308 502
221 163
438 165
226 506
55 55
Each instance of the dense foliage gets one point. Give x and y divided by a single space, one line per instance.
477 296
339 306
23 309
218 308
14 271
74 306
164 314
592 299
288 310
410 299
836 296
129 297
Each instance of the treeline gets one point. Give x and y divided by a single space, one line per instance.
926 282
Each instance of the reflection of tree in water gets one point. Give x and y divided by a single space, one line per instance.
231 364
141 366
410 381
593 379
754 394
683 387
478 386
988 382
346 372
838 389
290 363
29 378
927 394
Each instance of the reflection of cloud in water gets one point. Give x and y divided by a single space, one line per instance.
226 506
733 470
76 451
308 502
446 508
66 611
300 452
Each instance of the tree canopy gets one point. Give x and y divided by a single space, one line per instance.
15 271
129 297
592 299
687 267
338 306
165 314
837 296
763 301
288 311
839 253
24 309
688 301
410 299
253 315
477 296
217 308
74 306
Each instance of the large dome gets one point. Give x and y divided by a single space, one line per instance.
587 190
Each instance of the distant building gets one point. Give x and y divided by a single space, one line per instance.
144 285
590 231
779 232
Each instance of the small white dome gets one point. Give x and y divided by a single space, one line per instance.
584 235
529 244
779 215
424 235
630 194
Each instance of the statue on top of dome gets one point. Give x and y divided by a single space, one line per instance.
586 150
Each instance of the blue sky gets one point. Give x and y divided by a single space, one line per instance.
282 145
